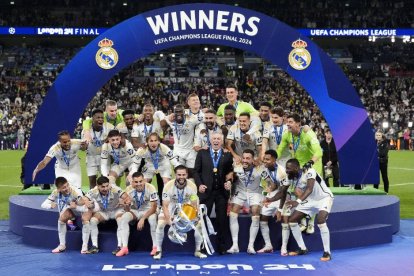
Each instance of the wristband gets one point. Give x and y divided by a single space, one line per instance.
299 200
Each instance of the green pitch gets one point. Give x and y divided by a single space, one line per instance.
400 170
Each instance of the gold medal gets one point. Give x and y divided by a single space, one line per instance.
215 170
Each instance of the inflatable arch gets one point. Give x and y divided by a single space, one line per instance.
216 24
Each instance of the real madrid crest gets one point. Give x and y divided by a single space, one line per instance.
106 57
299 57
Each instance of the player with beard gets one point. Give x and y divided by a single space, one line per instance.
248 190
128 128
121 151
158 160
272 135
183 127
210 126
240 138
177 191
67 160
264 117
148 126
99 133
229 119
143 206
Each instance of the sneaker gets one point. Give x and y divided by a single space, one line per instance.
326 257
153 251
199 254
59 249
299 252
233 250
93 250
116 250
124 251
84 249
157 255
310 229
251 251
283 253
266 249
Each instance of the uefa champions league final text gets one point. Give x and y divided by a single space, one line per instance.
203 36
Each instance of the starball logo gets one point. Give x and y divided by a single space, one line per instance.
203 20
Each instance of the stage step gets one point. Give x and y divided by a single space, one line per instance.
141 241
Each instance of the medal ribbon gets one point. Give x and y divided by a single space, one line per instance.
141 199
278 135
215 162
116 156
156 159
296 144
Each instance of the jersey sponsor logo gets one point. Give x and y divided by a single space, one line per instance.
106 57
153 196
264 174
299 57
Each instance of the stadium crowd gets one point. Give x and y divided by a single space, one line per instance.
27 73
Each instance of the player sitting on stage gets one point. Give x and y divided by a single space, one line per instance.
67 199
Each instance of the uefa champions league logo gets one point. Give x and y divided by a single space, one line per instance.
12 30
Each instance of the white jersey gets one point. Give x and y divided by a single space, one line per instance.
163 156
320 190
141 200
199 115
249 180
184 133
66 159
129 133
235 134
174 195
203 139
143 131
274 137
278 176
62 201
98 139
106 203
121 156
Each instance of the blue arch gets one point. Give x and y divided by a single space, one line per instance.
231 26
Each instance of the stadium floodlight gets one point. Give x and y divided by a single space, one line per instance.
173 55
205 49
125 4
359 66
410 124
161 55
374 38
346 4
406 38
392 39
370 38
385 124
412 40
11 2
218 49
240 66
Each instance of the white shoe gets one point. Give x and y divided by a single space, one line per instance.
61 248
233 250
266 249
84 249
310 230
251 251
157 255
200 255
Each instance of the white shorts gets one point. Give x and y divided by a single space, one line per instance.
107 215
73 176
310 207
119 169
186 157
250 198
271 209
164 169
93 165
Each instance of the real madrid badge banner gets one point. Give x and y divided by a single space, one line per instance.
231 26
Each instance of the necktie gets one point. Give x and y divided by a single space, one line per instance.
215 156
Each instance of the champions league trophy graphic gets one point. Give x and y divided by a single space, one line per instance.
186 217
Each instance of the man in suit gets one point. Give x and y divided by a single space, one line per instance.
213 174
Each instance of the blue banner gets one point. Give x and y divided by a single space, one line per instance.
231 26
93 31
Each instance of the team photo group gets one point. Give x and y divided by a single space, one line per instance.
220 163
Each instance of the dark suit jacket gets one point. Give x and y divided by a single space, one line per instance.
203 170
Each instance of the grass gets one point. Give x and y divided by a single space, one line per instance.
400 171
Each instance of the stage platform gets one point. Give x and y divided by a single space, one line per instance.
355 221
